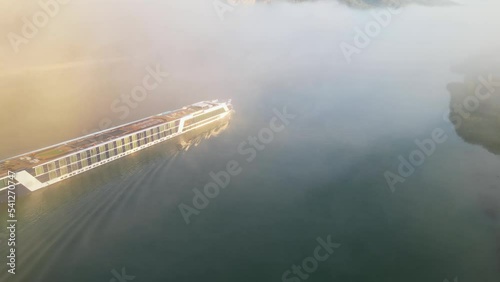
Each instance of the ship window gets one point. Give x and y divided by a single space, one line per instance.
39 170
103 156
94 159
207 115
118 142
52 175
111 153
120 150
64 170
73 158
62 162
75 167
85 162
51 166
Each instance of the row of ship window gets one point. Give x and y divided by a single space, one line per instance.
203 117
91 156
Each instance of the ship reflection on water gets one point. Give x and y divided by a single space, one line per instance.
185 142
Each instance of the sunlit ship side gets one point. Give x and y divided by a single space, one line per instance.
41 168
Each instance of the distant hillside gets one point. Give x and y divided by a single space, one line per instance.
366 4
482 125
385 3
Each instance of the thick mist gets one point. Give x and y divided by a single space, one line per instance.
63 82
365 85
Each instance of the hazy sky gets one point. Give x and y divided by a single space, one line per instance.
67 75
